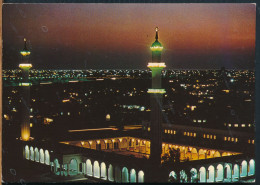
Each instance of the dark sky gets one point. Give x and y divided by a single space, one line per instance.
118 36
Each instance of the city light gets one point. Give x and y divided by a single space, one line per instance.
25 84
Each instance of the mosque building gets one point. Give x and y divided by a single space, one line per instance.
110 155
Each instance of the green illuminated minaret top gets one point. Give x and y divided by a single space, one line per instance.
25 51
156 48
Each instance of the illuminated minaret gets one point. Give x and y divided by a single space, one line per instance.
25 94
156 101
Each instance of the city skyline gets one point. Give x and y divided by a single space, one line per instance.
107 36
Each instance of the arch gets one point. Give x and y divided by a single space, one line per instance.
37 154
89 168
227 173
93 144
117 174
193 175
211 174
140 176
47 157
202 171
183 176
124 143
116 144
224 154
56 167
219 173
125 177
103 144
243 169
251 167
132 175
31 153
41 156
172 176
73 167
235 175
216 154
26 152
96 169
194 154
201 154
103 171
87 144
110 173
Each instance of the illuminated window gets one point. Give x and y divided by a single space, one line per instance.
68 113
168 131
229 125
215 137
194 120
188 134
253 141
199 121
249 125
248 140
236 125
243 125
207 136
225 124
174 132
171 132
194 135
184 133
204 135
165 131
236 140
228 138
225 138
232 139
149 129
210 136
204 121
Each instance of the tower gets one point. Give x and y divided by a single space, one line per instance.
25 93
156 101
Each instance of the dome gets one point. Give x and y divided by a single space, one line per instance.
156 44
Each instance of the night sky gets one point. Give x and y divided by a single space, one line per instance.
118 36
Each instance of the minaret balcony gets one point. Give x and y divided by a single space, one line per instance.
156 91
156 48
156 65
25 65
25 53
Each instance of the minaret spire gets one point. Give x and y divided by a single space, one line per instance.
25 47
156 34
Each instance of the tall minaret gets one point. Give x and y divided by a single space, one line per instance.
25 94
156 101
